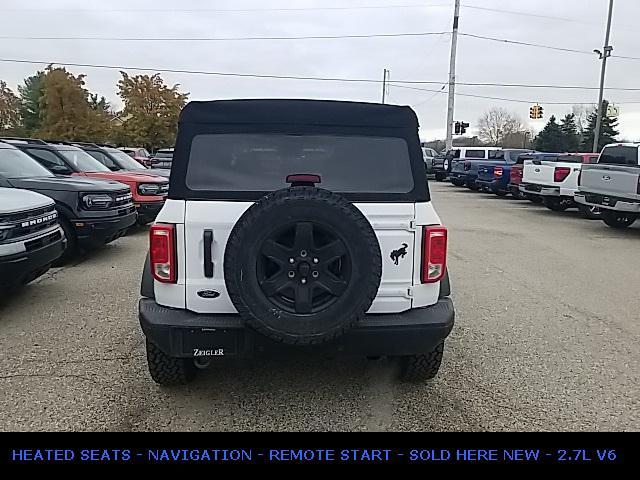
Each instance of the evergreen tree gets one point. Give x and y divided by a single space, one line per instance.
608 130
570 131
551 138
30 95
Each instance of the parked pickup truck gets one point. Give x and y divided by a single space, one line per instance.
440 166
30 237
554 177
613 185
494 174
464 164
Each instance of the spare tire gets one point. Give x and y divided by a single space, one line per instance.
302 265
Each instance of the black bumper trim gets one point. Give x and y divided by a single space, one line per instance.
99 231
178 332
15 268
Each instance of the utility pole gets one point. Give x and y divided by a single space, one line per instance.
452 75
603 56
384 83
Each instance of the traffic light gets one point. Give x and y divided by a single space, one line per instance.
457 128
463 128
535 112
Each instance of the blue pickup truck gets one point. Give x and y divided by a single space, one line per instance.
493 175
464 170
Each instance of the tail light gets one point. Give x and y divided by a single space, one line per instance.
497 172
560 173
434 254
162 252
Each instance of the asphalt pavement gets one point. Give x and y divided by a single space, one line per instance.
547 337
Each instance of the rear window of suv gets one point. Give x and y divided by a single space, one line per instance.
620 156
261 162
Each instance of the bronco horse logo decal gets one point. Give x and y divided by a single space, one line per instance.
399 253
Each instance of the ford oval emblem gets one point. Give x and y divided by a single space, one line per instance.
208 294
606 178
537 170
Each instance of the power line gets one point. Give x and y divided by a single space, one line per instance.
516 100
397 83
515 42
306 37
224 39
220 10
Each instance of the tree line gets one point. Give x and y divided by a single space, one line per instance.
55 104
574 132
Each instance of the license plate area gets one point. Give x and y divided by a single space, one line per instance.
204 342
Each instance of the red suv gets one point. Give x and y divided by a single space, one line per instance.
140 155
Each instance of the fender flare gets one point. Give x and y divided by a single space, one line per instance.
146 285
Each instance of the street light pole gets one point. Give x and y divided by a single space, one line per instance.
384 84
603 56
452 75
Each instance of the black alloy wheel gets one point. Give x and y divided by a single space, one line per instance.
304 267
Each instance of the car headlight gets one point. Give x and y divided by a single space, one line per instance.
97 201
149 188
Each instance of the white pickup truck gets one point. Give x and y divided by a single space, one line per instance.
613 185
554 177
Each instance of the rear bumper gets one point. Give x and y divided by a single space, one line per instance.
185 334
537 189
609 202
496 185
92 233
15 269
546 190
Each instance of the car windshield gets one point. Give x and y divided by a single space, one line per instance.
17 164
262 162
123 160
165 155
570 158
82 161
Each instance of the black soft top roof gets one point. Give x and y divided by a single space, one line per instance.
299 112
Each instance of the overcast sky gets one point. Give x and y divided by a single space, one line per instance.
424 58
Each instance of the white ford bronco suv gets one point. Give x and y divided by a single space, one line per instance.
296 224
30 237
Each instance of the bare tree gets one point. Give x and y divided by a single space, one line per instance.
497 124
581 113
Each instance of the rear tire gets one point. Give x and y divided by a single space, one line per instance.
554 204
590 213
166 370
421 367
501 193
618 220
441 177
457 182
537 199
